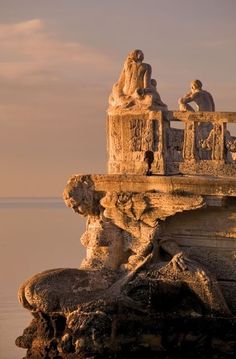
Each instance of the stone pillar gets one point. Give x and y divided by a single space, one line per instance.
218 145
129 136
189 149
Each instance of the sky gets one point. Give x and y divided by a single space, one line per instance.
60 58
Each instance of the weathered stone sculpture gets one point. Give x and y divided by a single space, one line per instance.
135 87
202 99
159 275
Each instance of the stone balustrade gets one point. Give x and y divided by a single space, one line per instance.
205 145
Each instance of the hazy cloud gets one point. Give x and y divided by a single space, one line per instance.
31 53
22 28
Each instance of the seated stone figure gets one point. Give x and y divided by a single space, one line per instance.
135 86
202 99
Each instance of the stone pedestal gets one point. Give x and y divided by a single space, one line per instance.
130 136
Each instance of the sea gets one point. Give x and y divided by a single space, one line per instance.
36 234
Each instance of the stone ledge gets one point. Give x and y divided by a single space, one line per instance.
200 185
225 116
205 116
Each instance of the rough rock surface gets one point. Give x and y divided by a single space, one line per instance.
153 312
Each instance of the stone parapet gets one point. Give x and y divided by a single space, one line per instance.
146 143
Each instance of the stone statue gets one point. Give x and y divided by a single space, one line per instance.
135 86
202 99
127 236
159 275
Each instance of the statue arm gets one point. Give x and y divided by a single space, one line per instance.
121 80
189 97
147 76
179 259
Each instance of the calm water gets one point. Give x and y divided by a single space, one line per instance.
35 234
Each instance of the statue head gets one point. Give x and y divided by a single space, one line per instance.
196 85
136 55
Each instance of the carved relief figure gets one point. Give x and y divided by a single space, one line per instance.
143 217
230 144
220 142
135 85
202 99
